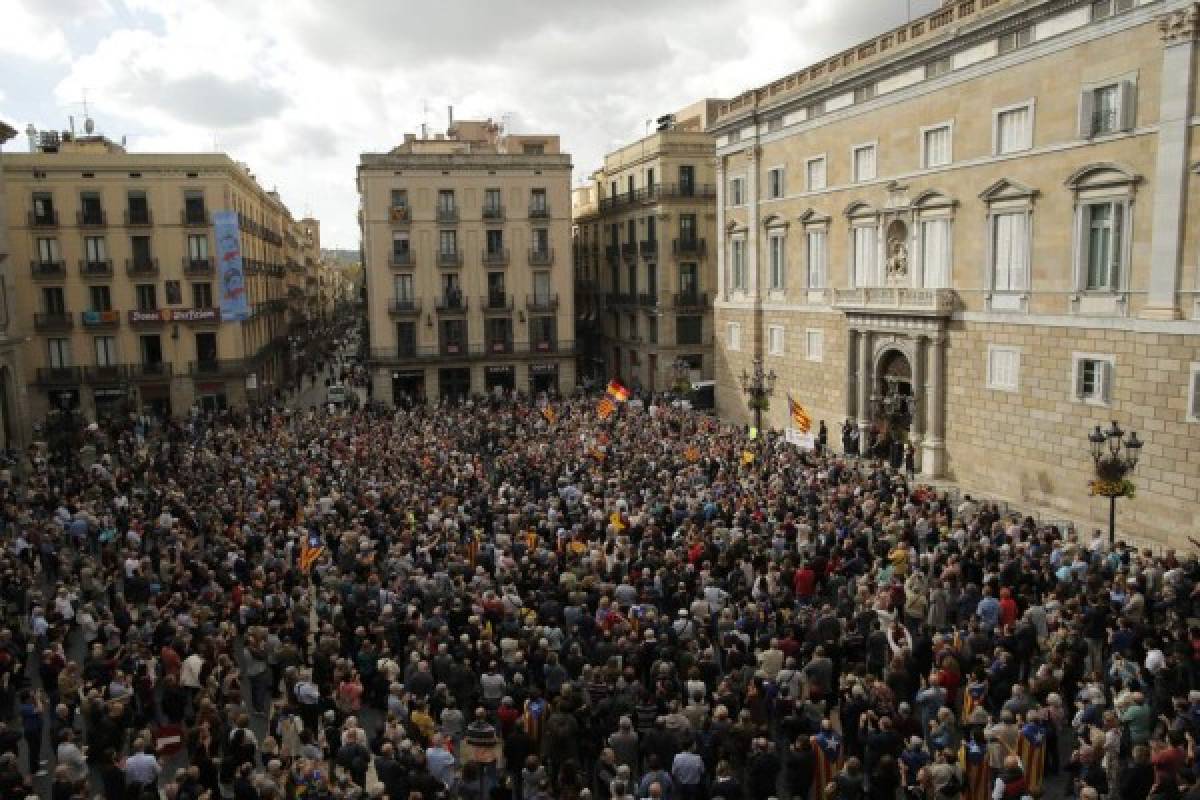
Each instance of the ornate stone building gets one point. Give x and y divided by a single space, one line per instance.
976 233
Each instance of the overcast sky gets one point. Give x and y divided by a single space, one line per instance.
298 88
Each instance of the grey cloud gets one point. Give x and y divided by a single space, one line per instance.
208 100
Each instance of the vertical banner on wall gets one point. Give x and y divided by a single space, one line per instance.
235 304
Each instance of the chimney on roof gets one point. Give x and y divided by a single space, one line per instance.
449 118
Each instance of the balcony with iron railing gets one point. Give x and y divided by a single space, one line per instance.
48 219
539 212
403 258
194 217
91 218
690 301
48 270
451 304
496 302
499 346
141 267
59 376
493 213
138 218
404 306
648 299
151 371
100 320
620 299
449 258
648 248
659 191
497 257
454 348
541 302
107 373
409 353
218 367
53 321
896 300
693 247
543 346
447 215
197 267
541 257
101 268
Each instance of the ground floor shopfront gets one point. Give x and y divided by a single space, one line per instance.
997 403
404 386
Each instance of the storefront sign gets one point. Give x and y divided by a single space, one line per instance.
543 369
176 315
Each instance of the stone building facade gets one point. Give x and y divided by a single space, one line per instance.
644 229
14 422
975 233
466 240
118 290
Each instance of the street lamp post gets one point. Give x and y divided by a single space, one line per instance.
759 386
1113 464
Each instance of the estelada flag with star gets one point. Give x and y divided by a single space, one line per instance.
617 391
310 551
800 417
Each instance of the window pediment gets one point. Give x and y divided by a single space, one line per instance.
1102 175
813 217
775 222
1005 189
861 211
934 199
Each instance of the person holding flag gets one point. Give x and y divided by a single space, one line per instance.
973 758
799 415
617 391
1031 748
829 755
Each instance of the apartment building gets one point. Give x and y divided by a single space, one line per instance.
121 299
977 232
646 276
466 241
14 423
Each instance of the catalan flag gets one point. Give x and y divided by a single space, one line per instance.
800 417
692 454
598 454
550 414
532 540
605 408
617 391
617 522
473 548
747 457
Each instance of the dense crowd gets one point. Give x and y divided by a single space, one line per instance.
490 601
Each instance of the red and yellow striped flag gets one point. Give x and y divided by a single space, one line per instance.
309 556
617 391
605 408
598 454
800 417
747 457
550 414
617 522
531 540
692 454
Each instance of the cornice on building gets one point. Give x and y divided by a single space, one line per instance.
481 161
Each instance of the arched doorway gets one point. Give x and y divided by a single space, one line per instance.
893 405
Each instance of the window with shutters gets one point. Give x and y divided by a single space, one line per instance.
815 172
737 265
1003 367
737 191
1106 8
1193 404
817 241
1104 196
1103 225
1108 108
777 268
775 336
775 183
863 158
733 335
934 243
814 344
1010 251
864 255
936 146
1013 129
1014 40
1092 376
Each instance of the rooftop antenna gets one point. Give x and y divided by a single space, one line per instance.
89 125
424 118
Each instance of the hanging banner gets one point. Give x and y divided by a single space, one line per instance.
235 304
802 439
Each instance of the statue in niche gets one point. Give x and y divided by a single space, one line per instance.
897 250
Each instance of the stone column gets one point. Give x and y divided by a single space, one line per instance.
920 401
852 337
1171 171
720 242
864 385
933 447
752 282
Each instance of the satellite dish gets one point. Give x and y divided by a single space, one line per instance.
89 126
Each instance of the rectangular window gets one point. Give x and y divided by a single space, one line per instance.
106 351
652 330
403 287
140 247
400 246
94 250
1106 8
817 251
865 258
54 300
1012 41
737 188
814 344
498 331
687 180
147 297
494 242
48 252
138 209
491 200
775 183
776 279
775 335
406 339
541 241
941 66
537 201
1014 130
43 209
1003 367
100 297
448 242
864 93
90 210
193 207
815 168
734 335
400 198
206 347
864 163
542 287
689 281
737 264
689 330
198 247
446 201
58 353
533 149
1010 252
1107 109
1193 404
935 146
1093 378
174 292
935 253
202 295
541 332
1102 243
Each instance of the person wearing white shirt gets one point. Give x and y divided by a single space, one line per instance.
189 672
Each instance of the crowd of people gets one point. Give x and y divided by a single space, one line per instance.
496 601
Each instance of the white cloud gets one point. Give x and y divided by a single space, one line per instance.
298 90
28 35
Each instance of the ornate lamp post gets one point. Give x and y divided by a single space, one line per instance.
1113 464
759 386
